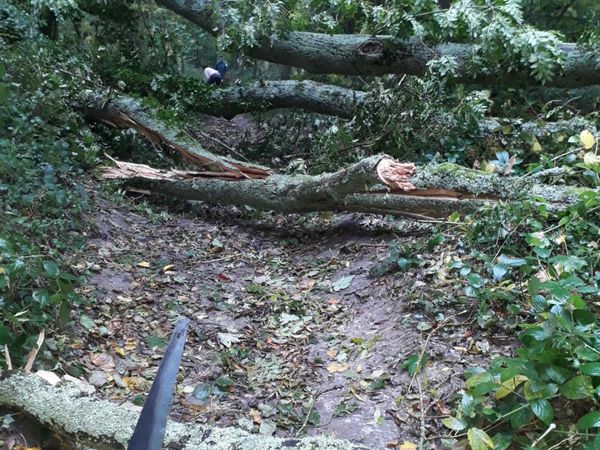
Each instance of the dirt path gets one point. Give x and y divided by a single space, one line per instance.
289 333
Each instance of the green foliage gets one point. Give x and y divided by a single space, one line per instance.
495 27
45 147
546 273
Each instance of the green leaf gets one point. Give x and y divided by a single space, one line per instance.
479 439
590 420
480 378
51 268
87 322
502 441
435 241
467 404
520 418
543 410
592 369
42 298
577 388
510 261
454 424
224 382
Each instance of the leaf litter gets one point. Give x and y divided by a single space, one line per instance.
290 331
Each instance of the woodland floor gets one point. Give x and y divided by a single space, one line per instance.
289 333
287 326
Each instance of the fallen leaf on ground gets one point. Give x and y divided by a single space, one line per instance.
337 367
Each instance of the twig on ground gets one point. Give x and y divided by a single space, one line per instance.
34 351
9 365
551 427
310 408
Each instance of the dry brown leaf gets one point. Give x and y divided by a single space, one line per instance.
255 416
337 367
103 361
168 268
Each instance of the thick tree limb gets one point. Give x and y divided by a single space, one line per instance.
373 185
378 55
68 410
342 102
308 95
125 112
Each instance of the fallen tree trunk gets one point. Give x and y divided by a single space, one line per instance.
373 185
125 112
342 102
378 55
70 411
308 95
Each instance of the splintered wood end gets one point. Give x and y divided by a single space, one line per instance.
396 175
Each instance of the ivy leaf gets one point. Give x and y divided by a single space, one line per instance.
592 369
454 424
543 410
577 388
590 420
479 439
51 268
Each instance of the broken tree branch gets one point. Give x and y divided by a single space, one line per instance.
378 55
125 112
70 411
377 184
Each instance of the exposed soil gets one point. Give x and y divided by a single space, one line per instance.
289 332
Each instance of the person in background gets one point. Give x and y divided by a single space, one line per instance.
216 75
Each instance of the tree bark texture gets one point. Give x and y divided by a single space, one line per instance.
308 95
377 184
378 55
70 411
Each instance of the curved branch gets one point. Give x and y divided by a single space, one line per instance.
378 55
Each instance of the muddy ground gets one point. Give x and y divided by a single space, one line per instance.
290 333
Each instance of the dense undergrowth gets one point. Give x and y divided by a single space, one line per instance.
45 149
534 273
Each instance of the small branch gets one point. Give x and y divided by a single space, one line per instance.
34 351
9 365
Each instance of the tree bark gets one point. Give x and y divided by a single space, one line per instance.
342 102
308 95
379 55
70 411
125 112
377 184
